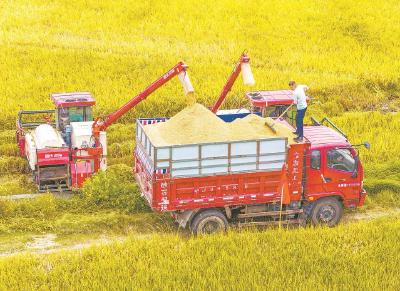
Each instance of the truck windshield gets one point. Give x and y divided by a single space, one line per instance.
341 159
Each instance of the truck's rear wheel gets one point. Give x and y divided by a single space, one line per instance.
208 222
327 211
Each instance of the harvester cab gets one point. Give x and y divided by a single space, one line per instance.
70 108
273 104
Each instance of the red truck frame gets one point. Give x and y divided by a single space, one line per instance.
318 188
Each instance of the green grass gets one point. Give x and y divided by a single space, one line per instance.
353 257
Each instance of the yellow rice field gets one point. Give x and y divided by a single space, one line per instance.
345 51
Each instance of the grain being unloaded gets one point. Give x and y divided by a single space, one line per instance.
197 124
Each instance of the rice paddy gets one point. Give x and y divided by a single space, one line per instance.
345 51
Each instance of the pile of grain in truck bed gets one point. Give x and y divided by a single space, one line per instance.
197 124
253 126
194 124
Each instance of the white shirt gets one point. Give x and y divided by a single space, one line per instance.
299 97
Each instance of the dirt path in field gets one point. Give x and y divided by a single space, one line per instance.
47 243
63 195
370 214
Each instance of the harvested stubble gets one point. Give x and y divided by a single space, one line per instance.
197 124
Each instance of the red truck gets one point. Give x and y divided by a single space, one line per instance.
207 186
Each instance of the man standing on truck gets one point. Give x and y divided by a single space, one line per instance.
300 99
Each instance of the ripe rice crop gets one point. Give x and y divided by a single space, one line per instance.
121 133
9 150
16 184
120 150
349 60
346 51
7 136
361 256
10 165
380 129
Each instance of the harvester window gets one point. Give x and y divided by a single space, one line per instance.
76 114
67 115
316 160
341 159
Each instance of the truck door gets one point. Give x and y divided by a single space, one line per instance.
314 175
338 171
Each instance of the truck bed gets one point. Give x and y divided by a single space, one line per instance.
179 177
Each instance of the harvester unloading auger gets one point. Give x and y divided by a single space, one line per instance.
243 65
63 154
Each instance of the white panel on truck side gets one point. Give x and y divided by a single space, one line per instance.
139 133
243 148
214 162
243 164
214 159
214 150
273 146
163 154
243 160
190 152
185 161
271 166
163 164
185 173
214 170
272 157
185 164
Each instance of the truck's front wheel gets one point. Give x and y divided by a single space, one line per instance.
208 222
327 211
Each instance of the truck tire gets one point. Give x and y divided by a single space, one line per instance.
209 222
327 211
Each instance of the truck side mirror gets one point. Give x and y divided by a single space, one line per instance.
367 145
355 171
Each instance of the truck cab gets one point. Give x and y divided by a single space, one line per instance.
333 173
333 168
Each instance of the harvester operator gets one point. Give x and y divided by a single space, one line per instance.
300 99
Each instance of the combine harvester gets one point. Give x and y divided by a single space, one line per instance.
206 186
62 154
